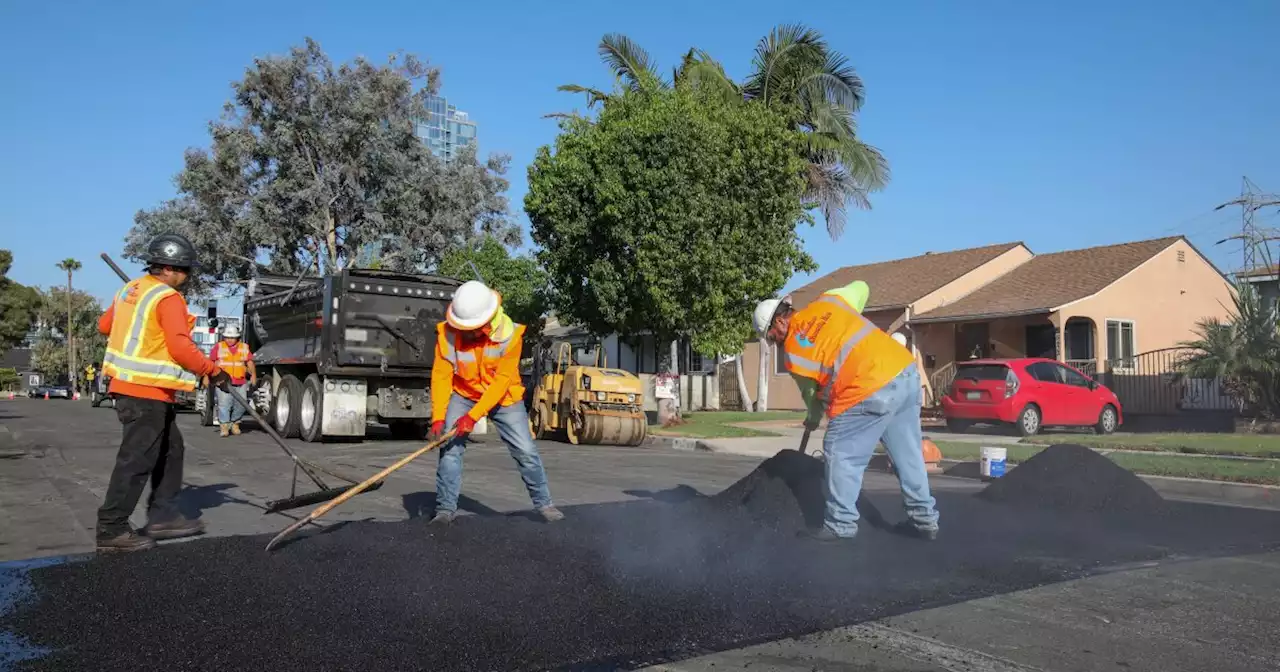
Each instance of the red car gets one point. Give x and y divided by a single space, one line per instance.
1029 393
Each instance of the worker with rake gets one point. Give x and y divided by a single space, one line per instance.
869 386
149 358
477 374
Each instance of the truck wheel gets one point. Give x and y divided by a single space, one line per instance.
310 410
208 405
95 399
284 406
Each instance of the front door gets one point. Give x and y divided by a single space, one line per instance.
973 341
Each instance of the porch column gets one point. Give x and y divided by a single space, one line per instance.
1058 320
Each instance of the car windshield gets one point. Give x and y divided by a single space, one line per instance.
982 371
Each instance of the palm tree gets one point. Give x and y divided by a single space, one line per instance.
1244 351
70 265
795 71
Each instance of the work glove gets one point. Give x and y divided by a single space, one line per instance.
464 426
437 430
221 380
811 422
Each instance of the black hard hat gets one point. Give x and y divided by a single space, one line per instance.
171 249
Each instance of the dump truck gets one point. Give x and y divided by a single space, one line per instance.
337 353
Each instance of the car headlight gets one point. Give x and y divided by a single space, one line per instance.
631 398
601 396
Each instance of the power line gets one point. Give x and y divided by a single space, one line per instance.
1256 240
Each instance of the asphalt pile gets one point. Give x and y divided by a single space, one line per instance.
1072 478
613 586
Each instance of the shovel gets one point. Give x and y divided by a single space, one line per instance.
373 482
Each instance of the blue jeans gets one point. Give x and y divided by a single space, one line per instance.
513 426
891 415
230 410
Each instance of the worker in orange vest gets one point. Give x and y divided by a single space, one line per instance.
149 358
233 356
477 374
869 387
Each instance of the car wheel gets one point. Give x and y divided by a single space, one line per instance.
1108 419
1029 421
310 408
285 406
958 426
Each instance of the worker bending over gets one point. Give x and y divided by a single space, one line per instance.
232 355
477 374
149 358
869 387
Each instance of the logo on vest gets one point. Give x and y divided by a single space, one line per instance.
807 332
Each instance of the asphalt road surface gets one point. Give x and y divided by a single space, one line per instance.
1182 613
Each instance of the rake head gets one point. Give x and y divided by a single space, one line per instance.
286 503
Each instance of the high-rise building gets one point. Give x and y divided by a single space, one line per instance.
446 129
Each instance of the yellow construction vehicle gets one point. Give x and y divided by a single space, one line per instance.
593 404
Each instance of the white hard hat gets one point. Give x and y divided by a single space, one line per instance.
900 337
473 306
763 316
232 331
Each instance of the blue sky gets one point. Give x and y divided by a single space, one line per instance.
1059 124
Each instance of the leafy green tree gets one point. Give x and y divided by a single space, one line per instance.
18 306
311 163
671 213
9 380
796 73
520 280
1243 350
50 351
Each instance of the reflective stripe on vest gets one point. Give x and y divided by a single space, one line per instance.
126 362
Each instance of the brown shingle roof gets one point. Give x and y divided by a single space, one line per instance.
900 282
1050 280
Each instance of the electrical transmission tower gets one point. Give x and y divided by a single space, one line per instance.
1256 239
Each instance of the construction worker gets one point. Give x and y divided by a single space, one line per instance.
149 358
477 374
869 388
232 355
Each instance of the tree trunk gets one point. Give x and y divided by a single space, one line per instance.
71 343
762 383
669 409
743 392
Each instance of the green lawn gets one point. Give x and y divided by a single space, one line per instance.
1245 445
719 424
1263 471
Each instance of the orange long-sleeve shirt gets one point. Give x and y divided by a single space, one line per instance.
172 314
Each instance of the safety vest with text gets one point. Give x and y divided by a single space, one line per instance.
136 349
850 358
475 364
232 360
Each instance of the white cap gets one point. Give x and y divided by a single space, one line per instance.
763 316
473 306
231 331
900 337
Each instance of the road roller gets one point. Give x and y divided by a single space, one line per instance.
591 404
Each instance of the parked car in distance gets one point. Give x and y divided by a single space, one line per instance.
1029 393
54 392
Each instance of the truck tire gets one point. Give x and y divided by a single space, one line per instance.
209 410
310 410
285 404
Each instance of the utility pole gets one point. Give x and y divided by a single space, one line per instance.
1256 240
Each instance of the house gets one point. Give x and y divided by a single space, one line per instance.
19 359
1110 309
899 289
1266 282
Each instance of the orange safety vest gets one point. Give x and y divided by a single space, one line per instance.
136 350
232 361
850 358
475 365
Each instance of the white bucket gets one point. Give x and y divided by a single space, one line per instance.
993 461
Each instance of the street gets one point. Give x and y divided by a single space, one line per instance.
1182 613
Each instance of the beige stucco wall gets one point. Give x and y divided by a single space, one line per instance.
971 281
1164 298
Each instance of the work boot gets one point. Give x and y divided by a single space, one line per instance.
443 517
174 529
910 529
124 543
550 514
225 429
235 428
823 534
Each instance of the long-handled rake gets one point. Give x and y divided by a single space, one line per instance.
372 483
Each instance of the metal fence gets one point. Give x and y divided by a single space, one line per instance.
1150 384
730 395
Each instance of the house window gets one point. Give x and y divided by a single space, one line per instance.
1120 344
779 366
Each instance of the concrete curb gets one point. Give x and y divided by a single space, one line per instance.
676 443
1192 489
